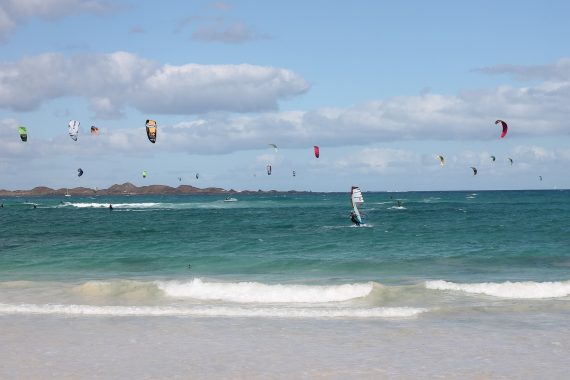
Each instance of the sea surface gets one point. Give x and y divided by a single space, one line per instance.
447 285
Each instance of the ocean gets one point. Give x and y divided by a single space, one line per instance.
459 285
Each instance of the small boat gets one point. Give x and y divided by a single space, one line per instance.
230 199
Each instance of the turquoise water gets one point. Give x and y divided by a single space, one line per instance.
297 251
458 236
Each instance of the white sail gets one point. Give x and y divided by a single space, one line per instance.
357 200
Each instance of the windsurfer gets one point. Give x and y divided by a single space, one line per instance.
354 218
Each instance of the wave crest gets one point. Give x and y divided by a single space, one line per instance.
516 290
255 292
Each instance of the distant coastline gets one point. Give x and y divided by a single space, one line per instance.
129 189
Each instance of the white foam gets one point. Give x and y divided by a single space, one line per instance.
166 311
249 292
115 205
517 290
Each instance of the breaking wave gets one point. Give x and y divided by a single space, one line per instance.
216 311
515 290
250 292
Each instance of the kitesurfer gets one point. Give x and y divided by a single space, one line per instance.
110 207
354 218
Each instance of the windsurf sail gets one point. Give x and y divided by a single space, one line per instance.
23 133
357 200
151 130
73 127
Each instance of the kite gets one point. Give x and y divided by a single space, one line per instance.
23 133
73 129
441 159
151 129
505 127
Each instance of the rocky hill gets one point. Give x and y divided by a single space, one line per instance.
124 189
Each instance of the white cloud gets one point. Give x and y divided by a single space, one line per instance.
537 153
15 12
378 160
469 116
235 33
114 81
559 71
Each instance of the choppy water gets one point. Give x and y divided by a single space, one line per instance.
289 250
291 257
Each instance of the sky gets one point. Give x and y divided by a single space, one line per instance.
382 87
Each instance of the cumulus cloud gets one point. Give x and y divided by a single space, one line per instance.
15 12
468 116
114 81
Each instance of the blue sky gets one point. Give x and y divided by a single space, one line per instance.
382 87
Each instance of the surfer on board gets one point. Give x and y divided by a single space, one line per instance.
354 218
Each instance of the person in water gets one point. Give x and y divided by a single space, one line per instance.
110 207
354 218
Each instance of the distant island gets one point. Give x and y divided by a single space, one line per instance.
129 189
